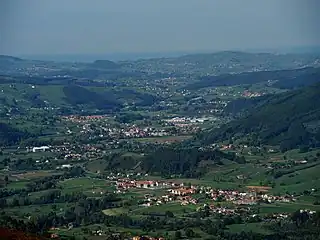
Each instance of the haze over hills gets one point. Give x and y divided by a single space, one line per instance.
148 55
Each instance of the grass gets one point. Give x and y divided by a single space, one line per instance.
248 227
164 139
175 208
35 195
96 165
115 211
17 185
299 181
84 184
34 175
35 210
52 93
229 173
296 155
286 207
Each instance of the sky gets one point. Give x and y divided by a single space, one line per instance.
119 26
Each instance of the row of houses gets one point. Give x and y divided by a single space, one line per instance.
80 119
147 238
147 184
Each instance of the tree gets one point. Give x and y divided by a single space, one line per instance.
304 149
177 235
189 233
6 179
169 214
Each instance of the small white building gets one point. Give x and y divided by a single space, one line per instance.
40 149
66 166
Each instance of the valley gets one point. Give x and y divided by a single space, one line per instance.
205 146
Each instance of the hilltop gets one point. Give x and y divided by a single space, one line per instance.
9 58
290 119
106 64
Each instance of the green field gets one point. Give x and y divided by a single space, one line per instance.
175 208
17 185
286 207
299 181
115 211
85 184
36 210
249 227
164 139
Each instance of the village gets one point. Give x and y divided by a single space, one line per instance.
223 202
180 192
103 126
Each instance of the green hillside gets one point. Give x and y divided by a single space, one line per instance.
290 119
19 96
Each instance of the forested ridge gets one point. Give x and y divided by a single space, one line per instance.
186 161
289 119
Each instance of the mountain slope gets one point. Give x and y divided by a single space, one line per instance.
290 119
77 95
186 161
105 64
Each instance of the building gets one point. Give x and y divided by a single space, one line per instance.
66 166
40 149
146 184
183 191
125 185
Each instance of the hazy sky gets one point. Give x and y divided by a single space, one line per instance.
104 26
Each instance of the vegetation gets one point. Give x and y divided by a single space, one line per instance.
283 79
185 161
204 146
288 119
10 135
77 95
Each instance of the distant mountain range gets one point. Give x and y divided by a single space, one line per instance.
168 54
286 79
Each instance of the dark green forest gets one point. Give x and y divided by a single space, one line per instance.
290 120
10 135
185 161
